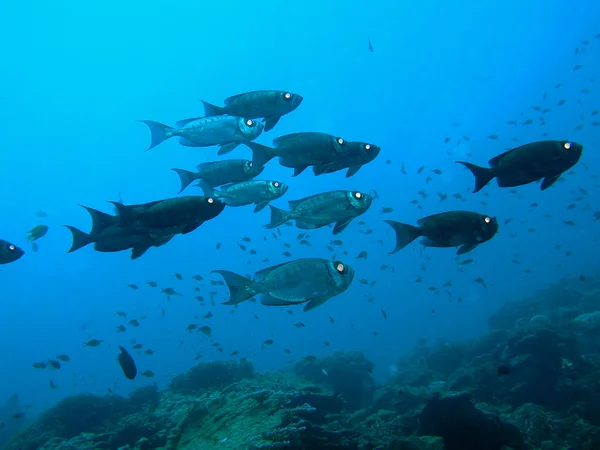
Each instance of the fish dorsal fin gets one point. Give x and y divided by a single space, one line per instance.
229 100
295 203
496 159
262 274
224 187
182 123
290 139
422 221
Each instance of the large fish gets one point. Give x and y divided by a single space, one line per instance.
258 192
325 152
127 364
9 252
316 211
109 235
268 105
183 213
217 173
311 280
225 131
464 229
528 163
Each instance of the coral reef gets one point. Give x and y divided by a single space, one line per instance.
531 383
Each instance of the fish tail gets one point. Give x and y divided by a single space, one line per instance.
212 110
261 154
482 175
240 288
186 177
159 131
278 217
405 234
80 239
207 189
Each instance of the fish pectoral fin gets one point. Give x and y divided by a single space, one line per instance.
226 148
352 170
318 301
187 143
270 122
136 252
549 181
466 249
341 225
267 300
261 205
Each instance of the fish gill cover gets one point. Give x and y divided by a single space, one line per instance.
357 225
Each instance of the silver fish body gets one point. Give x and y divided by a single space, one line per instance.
309 280
225 131
258 192
316 211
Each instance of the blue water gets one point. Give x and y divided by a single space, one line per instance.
75 77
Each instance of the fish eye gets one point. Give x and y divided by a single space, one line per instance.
250 122
487 220
210 200
275 184
340 267
11 247
367 146
357 194
340 141
250 164
567 145
287 95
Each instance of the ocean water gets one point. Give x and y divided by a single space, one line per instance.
75 77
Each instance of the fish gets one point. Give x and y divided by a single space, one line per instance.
527 164
257 192
127 364
225 131
310 280
37 232
324 152
463 229
181 213
316 211
218 173
270 105
370 45
9 252
109 235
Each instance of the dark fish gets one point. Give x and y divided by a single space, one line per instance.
448 229
108 235
528 163
316 211
37 232
217 173
183 213
127 364
324 152
257 192
503 370
370 46
225 131
268 105
9 252
311 280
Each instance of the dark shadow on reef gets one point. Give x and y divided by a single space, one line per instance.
531 383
